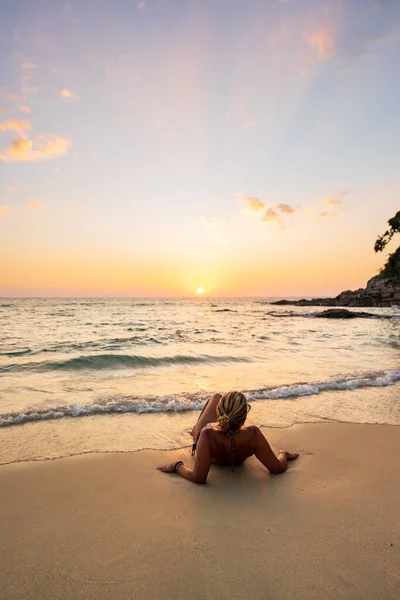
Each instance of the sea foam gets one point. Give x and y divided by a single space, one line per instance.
175 403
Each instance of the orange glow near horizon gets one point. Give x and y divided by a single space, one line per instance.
113 276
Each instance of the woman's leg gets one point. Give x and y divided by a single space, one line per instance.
207 415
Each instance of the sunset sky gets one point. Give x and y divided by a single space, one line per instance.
250 148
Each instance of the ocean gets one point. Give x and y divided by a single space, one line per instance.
116 374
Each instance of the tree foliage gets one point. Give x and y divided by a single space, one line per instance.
394 227
392 266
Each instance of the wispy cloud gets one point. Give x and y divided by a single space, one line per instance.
326 214
321 42
68 95
35 206
285 208
255 205
11 188
17 126
43 147
12 97
270 215
337 201
28 66
332 201
4 209
141 4
25 109
328 208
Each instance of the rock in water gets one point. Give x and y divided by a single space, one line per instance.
343 313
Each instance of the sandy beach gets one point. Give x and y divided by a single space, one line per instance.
111 526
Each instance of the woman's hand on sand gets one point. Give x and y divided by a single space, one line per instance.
169 468
291 455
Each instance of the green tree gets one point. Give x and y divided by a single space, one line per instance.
392 266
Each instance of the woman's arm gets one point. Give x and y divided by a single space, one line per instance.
264 453
202 462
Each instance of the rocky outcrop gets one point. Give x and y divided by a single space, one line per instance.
380 291
343 313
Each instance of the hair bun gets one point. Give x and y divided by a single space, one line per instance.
223 421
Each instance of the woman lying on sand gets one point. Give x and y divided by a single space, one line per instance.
222 439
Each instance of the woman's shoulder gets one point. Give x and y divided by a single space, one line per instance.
252 429
212 429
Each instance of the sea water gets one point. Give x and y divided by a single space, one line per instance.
107 374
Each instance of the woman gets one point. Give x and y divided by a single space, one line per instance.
222 439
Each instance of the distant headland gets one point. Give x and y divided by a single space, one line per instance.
382 290
379 291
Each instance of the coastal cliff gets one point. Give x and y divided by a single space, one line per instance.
379 291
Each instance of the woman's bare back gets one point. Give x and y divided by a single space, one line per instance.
220 444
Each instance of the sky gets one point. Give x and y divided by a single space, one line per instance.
155 147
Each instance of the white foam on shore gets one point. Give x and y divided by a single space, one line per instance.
179 403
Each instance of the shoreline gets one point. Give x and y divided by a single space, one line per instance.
110 525
131 432
187 446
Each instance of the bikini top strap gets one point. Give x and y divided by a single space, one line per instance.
232 436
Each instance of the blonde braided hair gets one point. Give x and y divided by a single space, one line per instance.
231 411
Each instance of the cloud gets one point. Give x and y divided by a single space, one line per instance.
68 95
17 126
28 66
43 147
25 109
11 97
332 201
4 209
253 204
285 208
321 42
248 123
327 208
35 206
336 201
141 4
11 188
326 214
271 215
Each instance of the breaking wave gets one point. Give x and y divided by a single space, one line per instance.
175 403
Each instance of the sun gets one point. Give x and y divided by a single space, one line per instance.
200 290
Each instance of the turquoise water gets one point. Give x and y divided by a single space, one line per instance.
70 369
